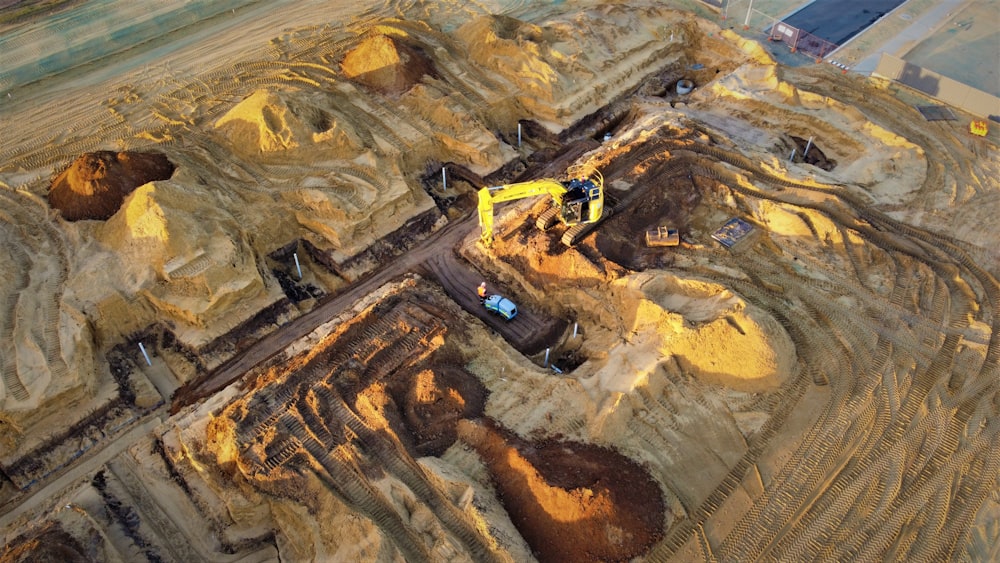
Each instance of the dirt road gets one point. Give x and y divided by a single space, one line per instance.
445 238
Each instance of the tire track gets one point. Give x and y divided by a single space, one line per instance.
810 524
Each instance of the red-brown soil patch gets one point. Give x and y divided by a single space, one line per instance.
49 544
430 402
571 502
95 185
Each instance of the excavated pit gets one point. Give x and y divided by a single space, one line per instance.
393 377
372 411
670 192
814 156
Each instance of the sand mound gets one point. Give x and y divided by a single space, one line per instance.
202 268
269 121
94 186
387 65
508 47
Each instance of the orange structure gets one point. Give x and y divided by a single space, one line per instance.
978 127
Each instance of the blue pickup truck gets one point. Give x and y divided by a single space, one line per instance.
501 306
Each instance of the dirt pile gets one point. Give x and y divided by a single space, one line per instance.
553 62
570 501
94 186
191 267
424 407
267 122
387 65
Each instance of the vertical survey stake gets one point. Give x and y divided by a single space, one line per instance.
808 146
144 354
575 325
547 350
791 158
444 179
518 135
298 267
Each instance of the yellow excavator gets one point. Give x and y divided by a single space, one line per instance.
577 202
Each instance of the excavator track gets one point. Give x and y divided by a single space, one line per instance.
576 233
547 219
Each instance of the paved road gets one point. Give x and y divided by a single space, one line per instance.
904 41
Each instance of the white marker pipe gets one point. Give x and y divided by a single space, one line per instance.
297 265
444 179
791 158
746 22
574 329
808 146
144 354
547 356
518 134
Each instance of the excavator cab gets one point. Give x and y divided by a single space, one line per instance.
576 204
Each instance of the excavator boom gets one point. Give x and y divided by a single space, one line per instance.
579 200
488 197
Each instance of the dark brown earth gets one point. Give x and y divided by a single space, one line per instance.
572 502
95 185
50 544
429 402
814 156
670 192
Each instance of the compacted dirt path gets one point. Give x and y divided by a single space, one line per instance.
528 332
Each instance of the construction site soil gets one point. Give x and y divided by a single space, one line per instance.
239 319
95 185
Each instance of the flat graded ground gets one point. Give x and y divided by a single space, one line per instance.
238 318
965 47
